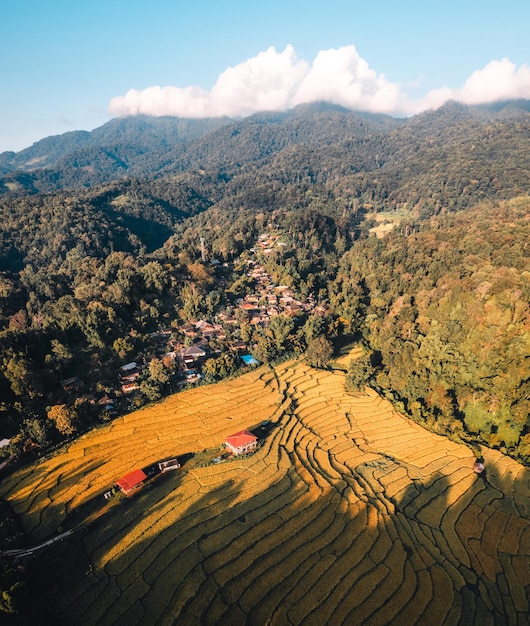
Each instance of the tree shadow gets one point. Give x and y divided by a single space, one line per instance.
41 522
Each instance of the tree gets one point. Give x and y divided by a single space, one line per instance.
221 367
60 355
158 372
36 430
265 350
122 346
319 352
313 327
150 390
63 418
17 370
359 371
280 328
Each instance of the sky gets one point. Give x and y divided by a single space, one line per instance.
73 65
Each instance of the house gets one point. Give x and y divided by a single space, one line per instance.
204 325
248 306
294 308
106 400
192 354
130 375
242 442
128 367
132 482
189 330
129 387
240 346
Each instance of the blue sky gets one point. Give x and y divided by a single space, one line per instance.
68 65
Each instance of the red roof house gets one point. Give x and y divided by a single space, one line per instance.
242 442
132 481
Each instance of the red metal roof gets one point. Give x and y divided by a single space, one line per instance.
130 481
242 438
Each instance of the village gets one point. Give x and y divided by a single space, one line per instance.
182 350
185 348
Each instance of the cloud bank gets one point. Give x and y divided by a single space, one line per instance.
276 81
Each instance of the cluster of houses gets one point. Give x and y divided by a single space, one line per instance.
269 300
129 375
200 339
189 345
240 443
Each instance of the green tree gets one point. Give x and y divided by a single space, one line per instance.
221 367
17 370
158 372
359 372
280 327
265 349
150 390
314 326
123 347
36 430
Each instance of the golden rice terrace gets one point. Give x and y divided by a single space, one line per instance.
348 513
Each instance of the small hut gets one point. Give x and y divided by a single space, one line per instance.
478 468
132 482
242 442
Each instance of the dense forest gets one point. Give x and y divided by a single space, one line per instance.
411 236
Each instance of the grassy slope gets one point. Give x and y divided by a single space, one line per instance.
348 513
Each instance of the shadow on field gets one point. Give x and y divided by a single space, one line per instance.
42 526
299 549
172 552
264 429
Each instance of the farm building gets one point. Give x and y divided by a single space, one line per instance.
132 482
170 464
242 442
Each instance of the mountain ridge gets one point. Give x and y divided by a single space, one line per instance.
149 147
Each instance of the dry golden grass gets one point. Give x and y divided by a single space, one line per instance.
348 513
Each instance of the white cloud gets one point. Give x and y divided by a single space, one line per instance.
499 80
276 81
343 77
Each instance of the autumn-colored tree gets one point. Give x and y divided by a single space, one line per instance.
319 352
63 418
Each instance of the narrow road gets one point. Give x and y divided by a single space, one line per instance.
22 552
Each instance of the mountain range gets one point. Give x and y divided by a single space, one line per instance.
456 150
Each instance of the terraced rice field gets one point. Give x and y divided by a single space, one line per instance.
347 514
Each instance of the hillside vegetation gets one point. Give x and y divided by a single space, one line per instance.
348 513
89 272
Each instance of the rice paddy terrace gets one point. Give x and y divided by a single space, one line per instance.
347 514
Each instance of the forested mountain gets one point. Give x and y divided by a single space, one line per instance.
100 247
139 133
451 157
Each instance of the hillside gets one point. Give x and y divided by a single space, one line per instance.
348 513
282 235
139 134
451 157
